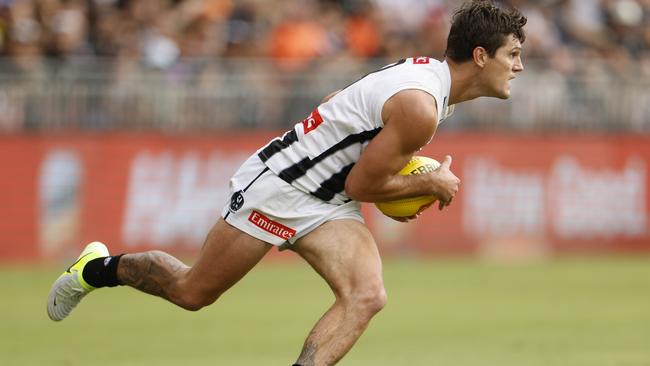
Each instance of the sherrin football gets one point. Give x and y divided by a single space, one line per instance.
414 205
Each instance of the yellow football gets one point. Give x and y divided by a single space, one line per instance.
414 205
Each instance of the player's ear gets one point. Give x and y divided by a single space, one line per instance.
480 56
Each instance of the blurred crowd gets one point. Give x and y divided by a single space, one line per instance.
597 40
160 32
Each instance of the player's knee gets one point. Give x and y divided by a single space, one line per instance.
193 298
195 301
369 300
377 300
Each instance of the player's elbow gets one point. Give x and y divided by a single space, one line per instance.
354 191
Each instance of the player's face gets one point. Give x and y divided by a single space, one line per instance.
503 67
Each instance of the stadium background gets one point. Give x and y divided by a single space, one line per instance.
121 121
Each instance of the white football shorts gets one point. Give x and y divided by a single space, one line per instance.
270 209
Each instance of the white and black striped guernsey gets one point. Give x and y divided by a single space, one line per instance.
319 152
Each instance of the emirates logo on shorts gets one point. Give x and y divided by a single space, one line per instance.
271 226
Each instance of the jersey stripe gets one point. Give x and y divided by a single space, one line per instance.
318 163
335 184
278 145
299 169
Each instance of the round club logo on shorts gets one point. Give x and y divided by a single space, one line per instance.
236 201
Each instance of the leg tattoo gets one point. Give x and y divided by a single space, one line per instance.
152 272
308 355
333 335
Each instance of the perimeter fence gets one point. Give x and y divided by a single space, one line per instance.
200 95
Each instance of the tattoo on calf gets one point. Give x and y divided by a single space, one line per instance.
150 272
308 355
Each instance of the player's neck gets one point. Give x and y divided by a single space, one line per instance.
464 82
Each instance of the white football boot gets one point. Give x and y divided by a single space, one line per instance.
68 290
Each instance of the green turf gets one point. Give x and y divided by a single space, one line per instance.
571 312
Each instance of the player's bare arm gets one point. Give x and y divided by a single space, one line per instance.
410 120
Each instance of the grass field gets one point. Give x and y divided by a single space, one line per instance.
573 312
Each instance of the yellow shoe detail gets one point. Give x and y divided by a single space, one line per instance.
68 290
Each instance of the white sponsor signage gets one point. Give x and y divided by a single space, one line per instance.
502 202
571 200
588 203
60 190
175 198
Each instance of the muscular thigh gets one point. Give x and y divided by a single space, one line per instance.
344 253
227 255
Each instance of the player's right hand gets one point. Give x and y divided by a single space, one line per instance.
446 184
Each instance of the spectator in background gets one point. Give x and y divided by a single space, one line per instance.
295 33
594 42
362 35
299 37
65 25
23 30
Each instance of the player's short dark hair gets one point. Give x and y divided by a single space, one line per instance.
480 23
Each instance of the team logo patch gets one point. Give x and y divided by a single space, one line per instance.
421 60
310 123
271 226
236 201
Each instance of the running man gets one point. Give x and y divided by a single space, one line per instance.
302 190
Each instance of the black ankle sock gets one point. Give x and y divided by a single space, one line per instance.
102 272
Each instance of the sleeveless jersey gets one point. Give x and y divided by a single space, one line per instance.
319 152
